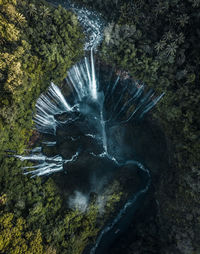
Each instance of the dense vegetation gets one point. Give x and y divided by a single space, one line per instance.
38 43
157 42
36 47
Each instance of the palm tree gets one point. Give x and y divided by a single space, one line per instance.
183 20
20 18
32 10
168 36
171 49
160 45
180 38
161 7
44 11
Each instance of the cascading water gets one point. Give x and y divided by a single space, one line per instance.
94 109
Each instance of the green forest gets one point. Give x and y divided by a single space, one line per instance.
39 43
155 41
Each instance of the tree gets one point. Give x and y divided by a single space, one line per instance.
15 239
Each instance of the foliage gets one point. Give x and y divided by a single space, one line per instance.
157 43
38 44
15 239
34 50
102 6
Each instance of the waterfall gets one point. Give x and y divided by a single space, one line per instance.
124 209
93 87
48 105
82 78
94 108
104 138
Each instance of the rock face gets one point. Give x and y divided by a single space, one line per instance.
34 138
155 34
169 220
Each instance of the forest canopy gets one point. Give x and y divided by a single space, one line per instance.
157 42
39 43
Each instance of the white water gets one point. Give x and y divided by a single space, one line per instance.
123 210
47 106
49 143
93 86
104 137
91 22
93 26
46 165
83 80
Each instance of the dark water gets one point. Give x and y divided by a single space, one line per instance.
149 146
142 141
136 140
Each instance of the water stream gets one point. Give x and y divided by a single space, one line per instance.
87 120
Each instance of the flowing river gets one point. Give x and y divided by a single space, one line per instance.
89 124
